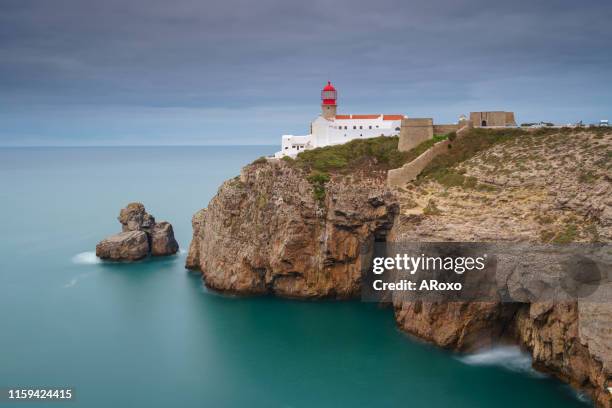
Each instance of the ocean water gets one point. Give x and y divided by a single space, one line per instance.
149 334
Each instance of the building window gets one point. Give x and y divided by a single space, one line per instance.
346 127
360 127
286 148
376 126
398 129
370 126
354 127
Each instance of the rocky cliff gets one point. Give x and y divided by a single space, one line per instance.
267 232
552 188
275 230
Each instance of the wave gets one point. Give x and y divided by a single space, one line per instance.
509 357
86 258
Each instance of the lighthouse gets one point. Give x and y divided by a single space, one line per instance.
330 129
329 95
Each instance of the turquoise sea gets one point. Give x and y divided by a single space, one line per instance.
149 334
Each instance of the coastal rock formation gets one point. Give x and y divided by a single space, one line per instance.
141 236
162 239
571 341
267 232
539 189
125 246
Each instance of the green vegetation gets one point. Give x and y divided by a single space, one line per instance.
466 147
567 235
236 183
260 160
380 151
431 208
587 177
318 180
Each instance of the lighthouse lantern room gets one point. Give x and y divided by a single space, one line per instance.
328 101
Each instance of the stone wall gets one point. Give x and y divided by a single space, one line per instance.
444 129
415 131
410 171
495 118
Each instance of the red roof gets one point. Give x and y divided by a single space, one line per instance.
329 87
393 117
365 116
385 117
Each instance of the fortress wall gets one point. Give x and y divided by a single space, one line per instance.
444 129
415 131
410 171
496 118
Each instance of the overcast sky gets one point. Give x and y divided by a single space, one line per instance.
157 72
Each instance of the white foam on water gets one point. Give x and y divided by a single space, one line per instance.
86 258
76 279
509 357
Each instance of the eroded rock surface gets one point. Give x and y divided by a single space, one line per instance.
141 236
549 189
265 232
126 246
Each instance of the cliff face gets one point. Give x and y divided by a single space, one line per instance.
572 342
551 189
265 232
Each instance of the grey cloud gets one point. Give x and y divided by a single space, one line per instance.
240 54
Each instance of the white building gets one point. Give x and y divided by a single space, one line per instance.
332 129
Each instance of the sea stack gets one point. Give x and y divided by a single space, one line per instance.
140 237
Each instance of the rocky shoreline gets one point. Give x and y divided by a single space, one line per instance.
268 231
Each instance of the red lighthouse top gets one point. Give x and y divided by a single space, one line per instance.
329 94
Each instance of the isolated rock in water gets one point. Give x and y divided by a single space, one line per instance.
134 217
128 246
141 237
162 240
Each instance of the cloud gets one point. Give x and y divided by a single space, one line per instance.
159 58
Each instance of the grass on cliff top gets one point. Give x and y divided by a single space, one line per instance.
441 167
378 153
381 151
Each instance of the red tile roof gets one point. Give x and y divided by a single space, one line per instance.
365 116
385 117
